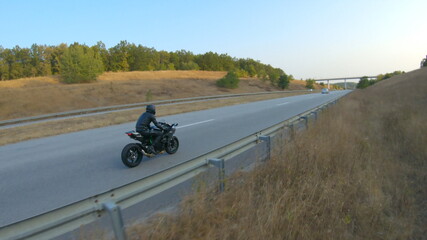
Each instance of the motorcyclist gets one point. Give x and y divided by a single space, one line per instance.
143 126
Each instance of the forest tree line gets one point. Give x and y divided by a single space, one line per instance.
82 63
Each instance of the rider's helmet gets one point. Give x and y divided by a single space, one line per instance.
151 109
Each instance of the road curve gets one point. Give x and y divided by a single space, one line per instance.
44 174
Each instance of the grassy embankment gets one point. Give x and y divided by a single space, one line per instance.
359 173
44 95
36 96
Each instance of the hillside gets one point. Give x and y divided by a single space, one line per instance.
359 173
43 95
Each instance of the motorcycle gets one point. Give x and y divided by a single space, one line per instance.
132 153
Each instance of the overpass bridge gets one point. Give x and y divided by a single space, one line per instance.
343 78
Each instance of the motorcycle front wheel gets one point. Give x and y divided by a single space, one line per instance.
172 146
131 155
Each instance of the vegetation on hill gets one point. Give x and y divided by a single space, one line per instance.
42 60
366 82
43 95
80 64
231 80
310 83
284 81
424 62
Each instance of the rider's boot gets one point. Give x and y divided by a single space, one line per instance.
151 149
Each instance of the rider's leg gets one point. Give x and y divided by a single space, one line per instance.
150 147
157 136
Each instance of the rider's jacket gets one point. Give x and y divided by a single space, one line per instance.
143 123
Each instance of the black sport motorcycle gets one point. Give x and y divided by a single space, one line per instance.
132 153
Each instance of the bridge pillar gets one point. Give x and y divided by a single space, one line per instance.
345 83
328 84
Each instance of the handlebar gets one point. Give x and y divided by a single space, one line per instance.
168 125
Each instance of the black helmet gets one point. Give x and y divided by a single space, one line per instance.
151 109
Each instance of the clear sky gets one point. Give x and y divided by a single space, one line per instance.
308 38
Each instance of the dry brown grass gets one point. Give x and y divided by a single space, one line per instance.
359 173
51 128
161 75
44 95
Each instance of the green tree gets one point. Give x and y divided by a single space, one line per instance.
227 63
138 59
23 62
184 60
364 83
248 65
241 73
389 75
80 64
3 65
309 83
284 81
209 62
102 51
9 60
262 74
56 53
251 71
119 55
230 80
189 66
274 74
40 60
164 61
424 62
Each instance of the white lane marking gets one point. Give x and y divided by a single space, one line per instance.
280 104
192 124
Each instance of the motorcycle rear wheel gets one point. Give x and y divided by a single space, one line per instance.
131 155
172 146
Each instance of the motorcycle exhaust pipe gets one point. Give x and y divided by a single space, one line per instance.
147 154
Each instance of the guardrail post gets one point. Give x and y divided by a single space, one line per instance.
268 141
315 115
220 164
292 131
306 121
117 220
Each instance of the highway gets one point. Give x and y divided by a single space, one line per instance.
40 175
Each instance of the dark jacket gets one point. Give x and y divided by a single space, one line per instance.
143 123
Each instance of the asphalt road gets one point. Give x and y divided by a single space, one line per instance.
40 175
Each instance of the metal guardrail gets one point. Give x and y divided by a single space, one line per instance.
129 106
71 217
